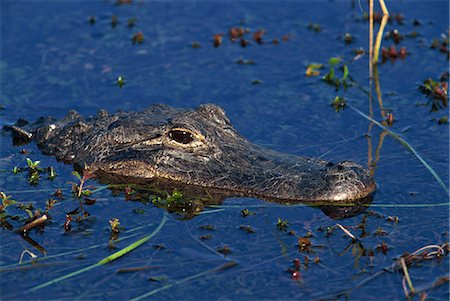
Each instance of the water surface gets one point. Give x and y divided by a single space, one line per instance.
54 60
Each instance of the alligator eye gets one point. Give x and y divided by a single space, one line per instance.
180 136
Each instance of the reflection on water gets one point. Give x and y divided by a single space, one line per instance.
189 200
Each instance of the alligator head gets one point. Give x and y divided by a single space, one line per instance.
200 148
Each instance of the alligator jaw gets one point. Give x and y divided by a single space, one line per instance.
351 183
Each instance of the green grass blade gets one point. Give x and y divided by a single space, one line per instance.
100 188
108 259
35 190
211 211
134 245
65 277
406 145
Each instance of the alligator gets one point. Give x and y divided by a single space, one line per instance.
194 147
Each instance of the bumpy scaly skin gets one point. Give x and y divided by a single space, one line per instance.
137 145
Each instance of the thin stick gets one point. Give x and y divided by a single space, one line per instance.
36 266
405 289
35 245
380 31
408 279
26 252
33 224
137 269
34 190
348 233
441 250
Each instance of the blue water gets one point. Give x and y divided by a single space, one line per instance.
53 60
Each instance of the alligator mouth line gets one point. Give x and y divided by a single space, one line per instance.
131 172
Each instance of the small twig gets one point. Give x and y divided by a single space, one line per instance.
137 269
348 233
405 272
34 266
80 187
33 224
405 289
32 255
441 250
379 37
34 244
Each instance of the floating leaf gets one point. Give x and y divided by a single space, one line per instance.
282 224
6 200
345 70
245 212
329 77
51 173
313 69
76 174
30 214
334 61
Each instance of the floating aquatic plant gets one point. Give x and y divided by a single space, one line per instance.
437 91
331 78
313 69
282 225
245 212
137 38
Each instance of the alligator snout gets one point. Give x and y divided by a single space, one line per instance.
348 181
309 180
